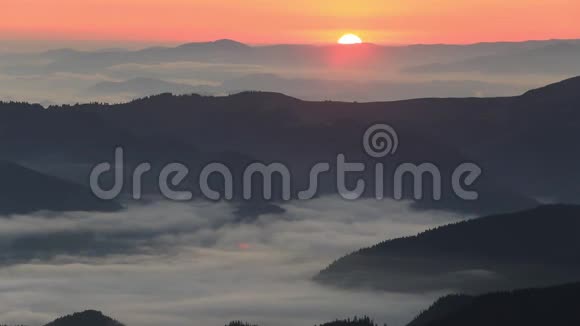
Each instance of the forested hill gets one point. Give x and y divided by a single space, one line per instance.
530 248
556 306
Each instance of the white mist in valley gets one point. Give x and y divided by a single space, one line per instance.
199 264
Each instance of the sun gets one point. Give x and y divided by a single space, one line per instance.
349 39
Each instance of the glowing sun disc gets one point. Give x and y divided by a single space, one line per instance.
349 39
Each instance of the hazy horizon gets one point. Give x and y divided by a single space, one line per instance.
118 73
37 45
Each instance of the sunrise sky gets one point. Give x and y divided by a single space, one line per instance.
296 21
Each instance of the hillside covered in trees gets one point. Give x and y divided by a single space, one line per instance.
538 247
85 318
555 306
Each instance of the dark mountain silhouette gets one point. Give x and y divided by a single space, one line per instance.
537 247
523 144
24 191
556 305
263 126
564 92
85 318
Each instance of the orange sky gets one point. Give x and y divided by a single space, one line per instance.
290 21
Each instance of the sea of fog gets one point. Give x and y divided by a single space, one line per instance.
199 264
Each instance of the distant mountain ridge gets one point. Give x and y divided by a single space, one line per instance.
222 44
387 71
233 52
551 58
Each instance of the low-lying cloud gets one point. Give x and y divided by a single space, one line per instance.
183 264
